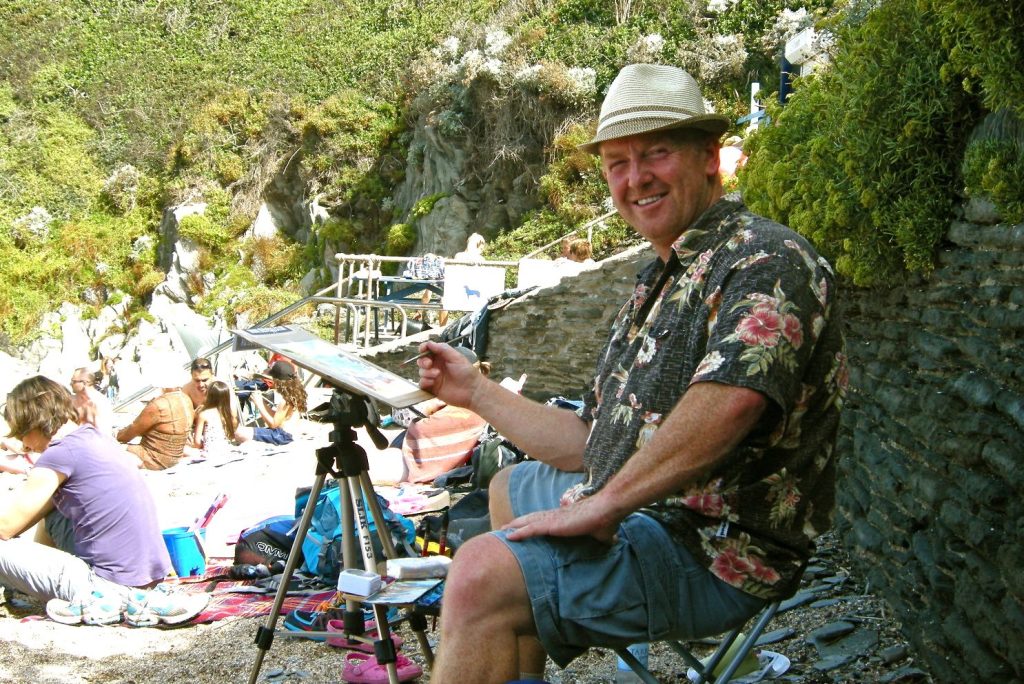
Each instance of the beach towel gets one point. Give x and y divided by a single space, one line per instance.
440 442
225 603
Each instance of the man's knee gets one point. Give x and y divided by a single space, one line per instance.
481 569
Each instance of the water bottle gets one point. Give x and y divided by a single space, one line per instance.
623 673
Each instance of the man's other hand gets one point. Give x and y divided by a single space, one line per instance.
585 518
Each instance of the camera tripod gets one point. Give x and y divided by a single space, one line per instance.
346 461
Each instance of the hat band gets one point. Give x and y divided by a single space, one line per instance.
646 112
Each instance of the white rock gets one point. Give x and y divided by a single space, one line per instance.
12 371
111 345
308 281
264 225
186 255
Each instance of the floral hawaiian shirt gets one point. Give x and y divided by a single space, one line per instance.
749 304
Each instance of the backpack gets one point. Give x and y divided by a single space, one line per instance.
266 542
322 554
492 454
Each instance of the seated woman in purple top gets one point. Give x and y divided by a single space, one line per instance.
85 483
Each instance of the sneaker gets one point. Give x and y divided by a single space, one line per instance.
161 605
316 620
311 621
96 609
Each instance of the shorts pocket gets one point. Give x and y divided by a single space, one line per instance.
600 593
658 571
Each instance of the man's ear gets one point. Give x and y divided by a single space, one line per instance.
711 148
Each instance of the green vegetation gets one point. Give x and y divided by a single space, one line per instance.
984 41
864 159
573 192
227 94
110 111
994 163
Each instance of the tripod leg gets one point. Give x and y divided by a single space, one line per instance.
265 634
362 523
359 495
380 612
417 622
370 497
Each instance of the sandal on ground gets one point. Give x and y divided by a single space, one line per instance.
341 641
361 668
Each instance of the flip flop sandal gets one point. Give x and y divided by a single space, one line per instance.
342 641
361 668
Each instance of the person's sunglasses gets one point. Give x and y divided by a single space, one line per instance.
202 366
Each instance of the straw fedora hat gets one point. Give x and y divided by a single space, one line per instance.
652 97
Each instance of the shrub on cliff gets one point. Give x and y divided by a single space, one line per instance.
864 159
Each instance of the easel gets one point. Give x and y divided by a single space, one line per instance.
346 461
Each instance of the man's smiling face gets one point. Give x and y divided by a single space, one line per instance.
660 186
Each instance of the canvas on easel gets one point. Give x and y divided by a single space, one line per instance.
340 368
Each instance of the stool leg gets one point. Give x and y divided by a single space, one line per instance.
642 672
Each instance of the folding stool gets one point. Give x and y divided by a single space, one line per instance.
704 672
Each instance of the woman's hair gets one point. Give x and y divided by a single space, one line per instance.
293 392
38 404
218 396
579 250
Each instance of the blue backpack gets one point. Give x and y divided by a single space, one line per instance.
322 550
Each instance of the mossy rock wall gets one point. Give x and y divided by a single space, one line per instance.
932 467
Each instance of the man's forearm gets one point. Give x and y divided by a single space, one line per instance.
553 435
707 424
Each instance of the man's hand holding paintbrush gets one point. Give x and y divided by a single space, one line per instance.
448 374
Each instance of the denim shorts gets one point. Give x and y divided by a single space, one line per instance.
642 588
61 531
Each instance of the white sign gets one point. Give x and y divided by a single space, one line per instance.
544 273
467 288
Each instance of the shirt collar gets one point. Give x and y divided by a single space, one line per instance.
714 218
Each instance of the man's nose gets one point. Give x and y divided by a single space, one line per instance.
639 173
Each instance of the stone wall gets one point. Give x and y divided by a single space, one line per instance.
931 470
552 334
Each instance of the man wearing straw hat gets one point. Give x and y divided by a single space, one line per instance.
687 490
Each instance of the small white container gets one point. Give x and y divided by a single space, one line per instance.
358 582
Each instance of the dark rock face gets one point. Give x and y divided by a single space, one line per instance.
932 466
